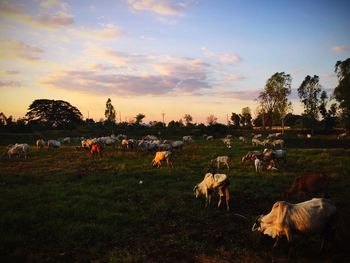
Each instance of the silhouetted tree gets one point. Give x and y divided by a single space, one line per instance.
188 119
342 91
53 114
3 119
235 118
211 120
246 117
139 117
309 94
110 111
329 115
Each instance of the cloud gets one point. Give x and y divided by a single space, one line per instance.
241 95
340 49
49 3
184 68
222 57
162 7
107 32
59 19
18 49
9 84
18 14
233 77
8 72
111 56
93 82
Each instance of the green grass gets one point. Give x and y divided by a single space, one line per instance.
64 206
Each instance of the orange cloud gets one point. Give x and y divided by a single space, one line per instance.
161 7
340 49
107 32
18 14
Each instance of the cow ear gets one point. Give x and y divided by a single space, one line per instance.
282 210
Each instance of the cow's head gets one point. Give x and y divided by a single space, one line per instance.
196 191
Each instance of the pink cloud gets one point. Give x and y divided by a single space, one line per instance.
340 49
20 49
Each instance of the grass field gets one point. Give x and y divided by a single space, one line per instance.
62 206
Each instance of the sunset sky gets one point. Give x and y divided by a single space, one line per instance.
197 57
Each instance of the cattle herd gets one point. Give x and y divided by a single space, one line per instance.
315 216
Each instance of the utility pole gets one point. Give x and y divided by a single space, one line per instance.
163 114
120 117
88 115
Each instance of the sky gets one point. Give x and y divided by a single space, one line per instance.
197 57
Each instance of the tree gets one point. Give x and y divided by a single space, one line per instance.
3 119
188 119
309 92
275 94
342 91
329 115
138 118
53 114
110 111
235 118
282 110
246 117
211 120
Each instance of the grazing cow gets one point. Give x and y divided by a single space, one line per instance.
18 149
269 155
314 183
257 136
214 182
39 143
162 156
66 140
53 144
177 145
341 136
242 138
96 149
251 156
315 216
256 142
188 139
149 138
221 160
210 138
227 142
278 142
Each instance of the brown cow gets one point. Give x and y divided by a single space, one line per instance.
96 149
314 183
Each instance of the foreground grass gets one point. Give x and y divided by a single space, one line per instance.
63 206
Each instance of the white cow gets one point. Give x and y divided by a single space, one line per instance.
19 149
221 160
315 216
214 182
53 144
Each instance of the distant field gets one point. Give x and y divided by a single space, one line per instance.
60 205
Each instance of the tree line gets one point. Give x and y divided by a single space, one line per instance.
321 110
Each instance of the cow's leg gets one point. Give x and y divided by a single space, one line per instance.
227 196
